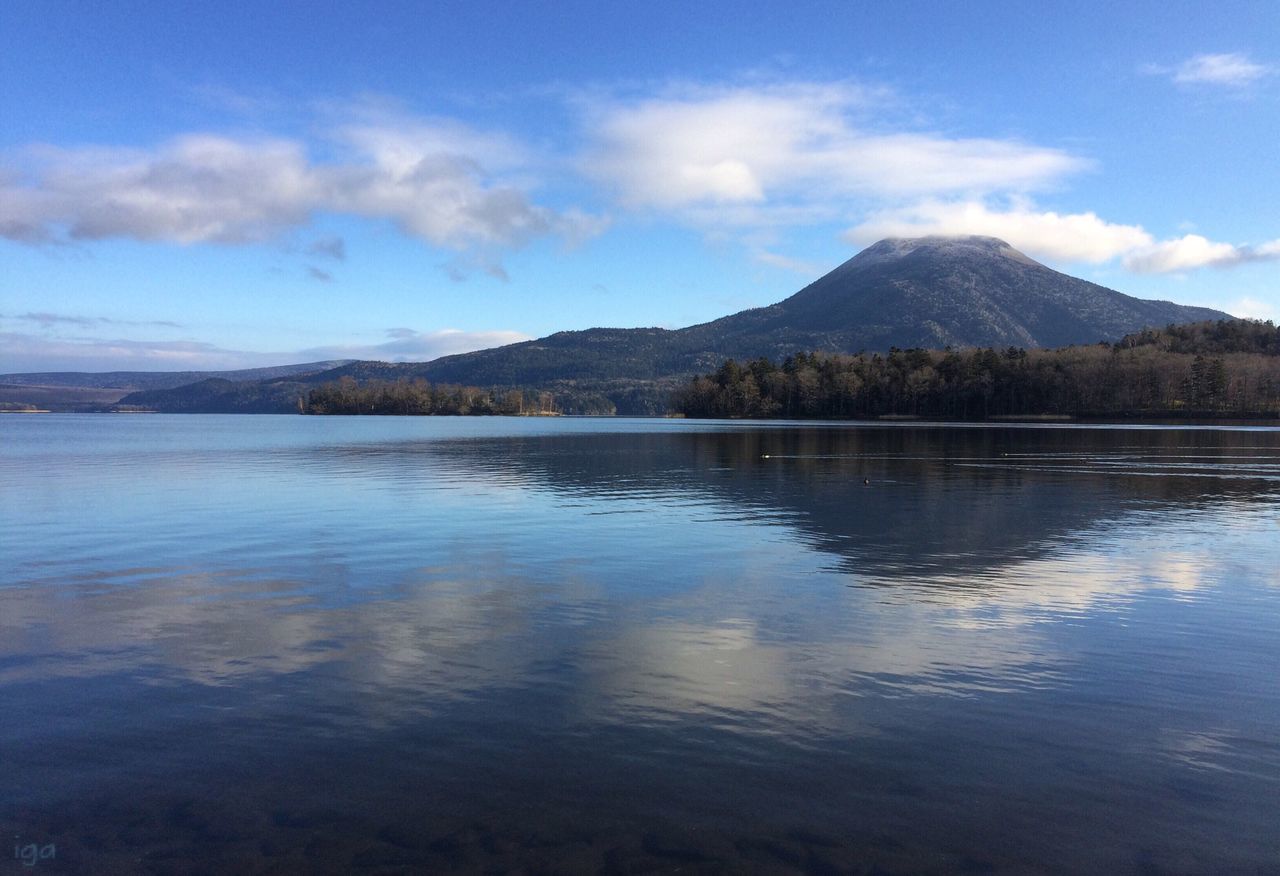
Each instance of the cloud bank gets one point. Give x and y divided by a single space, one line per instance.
788 153
737 162
1067 237
438 181
1193 251
1074 237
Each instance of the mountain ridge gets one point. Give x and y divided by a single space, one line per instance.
933 292
926 292
71 391
160 379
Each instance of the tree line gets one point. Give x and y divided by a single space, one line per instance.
418 397
1214 369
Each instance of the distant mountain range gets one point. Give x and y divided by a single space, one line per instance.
924 292
83 390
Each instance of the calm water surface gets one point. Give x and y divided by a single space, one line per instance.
276 644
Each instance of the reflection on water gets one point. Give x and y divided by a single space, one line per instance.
252 644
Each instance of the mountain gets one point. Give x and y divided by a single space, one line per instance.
923 292
81 391
935 292
929 292
132 380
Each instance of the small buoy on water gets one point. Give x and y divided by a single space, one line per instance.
866 482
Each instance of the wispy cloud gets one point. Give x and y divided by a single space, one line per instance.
332 247
24 351
411 345
786 263
237 101
29 352
1230 70
462 267
48 320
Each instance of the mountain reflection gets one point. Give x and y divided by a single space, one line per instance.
892 501
728 650
977 538
293 644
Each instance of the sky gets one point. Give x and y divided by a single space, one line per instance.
189 185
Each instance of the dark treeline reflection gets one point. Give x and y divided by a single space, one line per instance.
891 498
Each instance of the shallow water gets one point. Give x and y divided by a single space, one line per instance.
243 644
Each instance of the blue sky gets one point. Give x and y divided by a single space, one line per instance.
221 185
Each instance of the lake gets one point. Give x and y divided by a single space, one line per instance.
323 644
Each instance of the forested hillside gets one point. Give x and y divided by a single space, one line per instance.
1211 369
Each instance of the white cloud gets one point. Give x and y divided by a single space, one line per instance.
1071 237
919 163
27 352
1229 69
1193 251
756 154
1184 253
1067 237
193 189
437 180
1253 308
433 182
733 161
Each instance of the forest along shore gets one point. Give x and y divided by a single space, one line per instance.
1226 369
